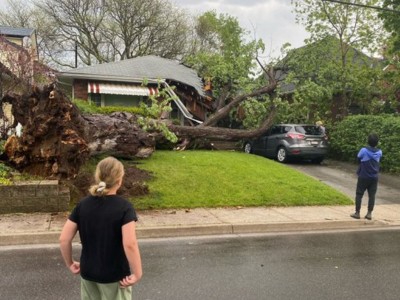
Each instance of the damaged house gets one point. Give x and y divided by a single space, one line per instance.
121 84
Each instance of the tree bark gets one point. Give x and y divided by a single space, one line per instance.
219 133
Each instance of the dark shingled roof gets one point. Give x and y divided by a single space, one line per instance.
15 32
139 68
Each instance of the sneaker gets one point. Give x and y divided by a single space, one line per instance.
356 215
368 215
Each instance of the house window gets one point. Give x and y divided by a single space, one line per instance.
123 100
96 99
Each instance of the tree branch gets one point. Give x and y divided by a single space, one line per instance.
224 111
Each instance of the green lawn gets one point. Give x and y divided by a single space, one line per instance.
190 179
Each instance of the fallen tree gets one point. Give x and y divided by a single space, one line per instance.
57 139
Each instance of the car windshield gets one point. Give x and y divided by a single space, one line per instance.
308 130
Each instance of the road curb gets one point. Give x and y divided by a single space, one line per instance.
203 230
29 238
304 226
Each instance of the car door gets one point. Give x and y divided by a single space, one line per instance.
272 141
259 144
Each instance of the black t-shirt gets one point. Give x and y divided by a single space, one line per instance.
100 221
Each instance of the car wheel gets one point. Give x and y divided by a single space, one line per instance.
247 148
281 155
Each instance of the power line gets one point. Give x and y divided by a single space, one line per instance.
364 6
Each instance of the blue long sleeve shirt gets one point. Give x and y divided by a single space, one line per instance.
369 158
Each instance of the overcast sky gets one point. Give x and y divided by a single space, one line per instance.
270 20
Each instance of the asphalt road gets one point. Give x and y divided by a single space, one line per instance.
342 176
341 265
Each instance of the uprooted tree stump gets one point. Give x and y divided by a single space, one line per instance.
57 139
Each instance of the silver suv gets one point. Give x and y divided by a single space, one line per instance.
290 141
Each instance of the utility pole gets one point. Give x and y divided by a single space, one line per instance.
76 54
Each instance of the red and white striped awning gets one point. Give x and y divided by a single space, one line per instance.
120 89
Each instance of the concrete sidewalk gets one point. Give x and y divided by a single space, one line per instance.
44 228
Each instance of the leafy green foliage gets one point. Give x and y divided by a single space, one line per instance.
392 23
349 135
223 54
4 174
357 27
192 179
391 85
151 119
2 143
333 59
255 111
89 108
324 81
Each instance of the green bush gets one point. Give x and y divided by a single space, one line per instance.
85 106
4 174
89 108
2 143
111 109
349 135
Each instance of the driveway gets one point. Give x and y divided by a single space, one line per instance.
342 176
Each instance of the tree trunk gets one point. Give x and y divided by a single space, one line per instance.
219 133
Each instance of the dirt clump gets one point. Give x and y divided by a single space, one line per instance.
134 183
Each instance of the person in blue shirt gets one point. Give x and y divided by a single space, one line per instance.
368 170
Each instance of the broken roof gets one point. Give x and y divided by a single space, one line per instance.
137 69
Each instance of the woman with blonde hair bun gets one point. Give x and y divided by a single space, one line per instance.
108 172
110 261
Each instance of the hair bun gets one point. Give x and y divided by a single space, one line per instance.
101 186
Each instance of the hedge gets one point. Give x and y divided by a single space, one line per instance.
90 108
348 136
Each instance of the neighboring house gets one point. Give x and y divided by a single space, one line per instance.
120 83
19 66
23 37
18 51
19 59
316 61
324 49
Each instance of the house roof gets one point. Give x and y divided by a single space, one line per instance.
136 69
16 32
284 66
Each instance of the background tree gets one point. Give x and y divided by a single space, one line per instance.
226 56
391 21
101 31
337 62
17 14
137 28
391 76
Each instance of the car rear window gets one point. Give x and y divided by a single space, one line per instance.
308 130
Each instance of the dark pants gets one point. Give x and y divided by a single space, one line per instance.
369 184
